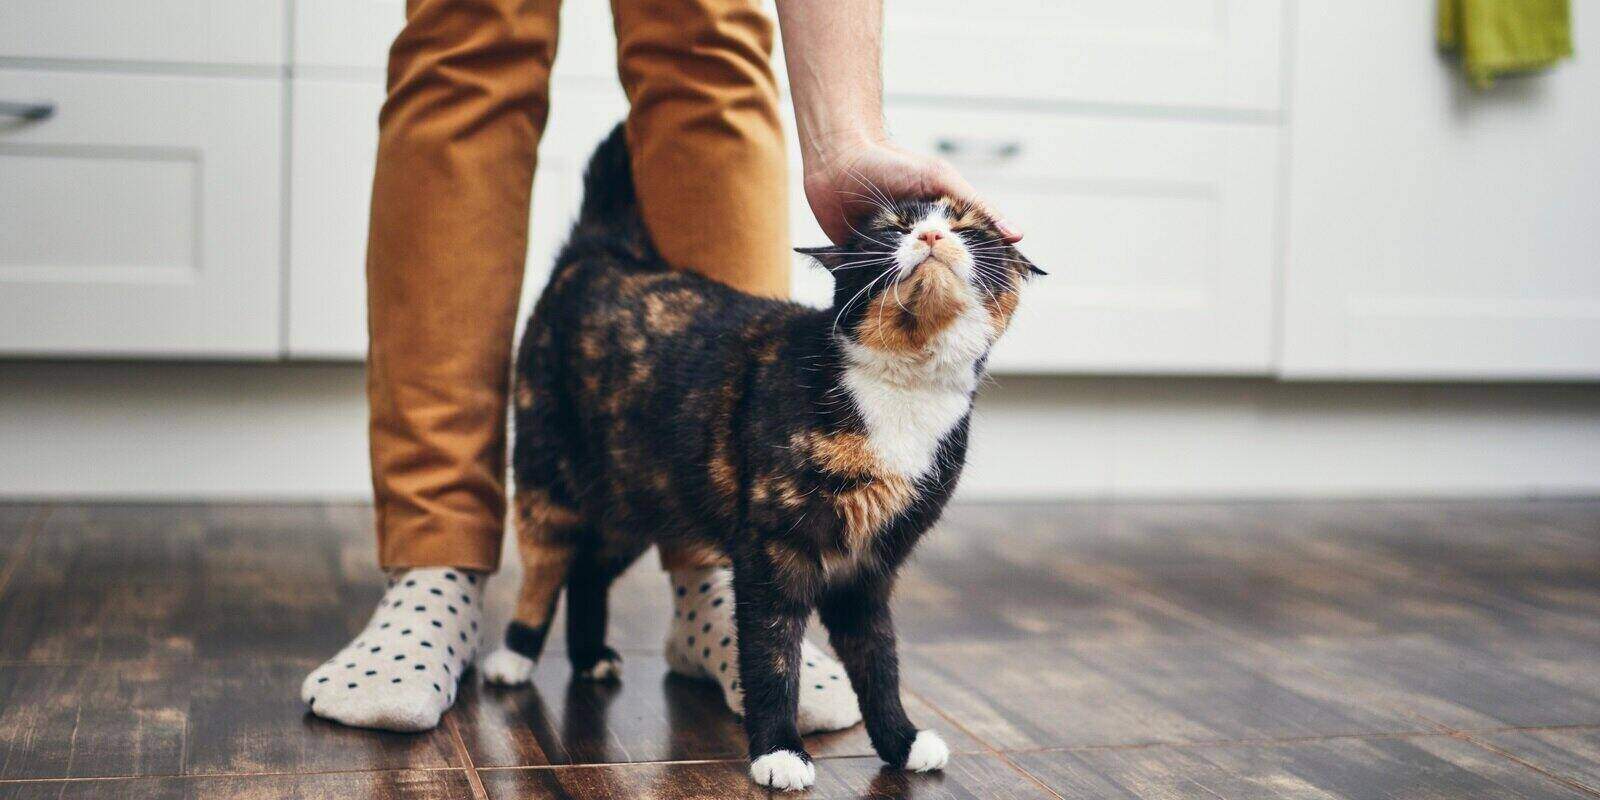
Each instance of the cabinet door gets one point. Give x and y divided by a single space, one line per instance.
1435 231
1158 235
229 32
1170 53
143 218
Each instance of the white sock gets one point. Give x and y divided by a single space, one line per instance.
702 643
401 672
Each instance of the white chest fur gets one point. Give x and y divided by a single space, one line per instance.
910 405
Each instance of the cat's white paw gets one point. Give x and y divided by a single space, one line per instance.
784 770
928 752
605 670
505 667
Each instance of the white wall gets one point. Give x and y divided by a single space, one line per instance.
298 431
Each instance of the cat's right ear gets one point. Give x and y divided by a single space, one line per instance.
830 257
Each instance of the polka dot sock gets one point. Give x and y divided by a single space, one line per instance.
702 643
401 672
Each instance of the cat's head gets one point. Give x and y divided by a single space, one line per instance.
916 269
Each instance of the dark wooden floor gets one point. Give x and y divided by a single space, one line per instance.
1395 650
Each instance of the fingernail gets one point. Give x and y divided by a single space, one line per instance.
1008 230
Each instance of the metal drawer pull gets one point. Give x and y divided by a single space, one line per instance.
27 111
999 151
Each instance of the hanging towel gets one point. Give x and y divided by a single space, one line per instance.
1497 37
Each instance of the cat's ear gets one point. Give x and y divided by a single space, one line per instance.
830 256
1028 262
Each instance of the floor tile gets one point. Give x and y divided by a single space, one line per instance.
410 785
650 716
968 777
1413 768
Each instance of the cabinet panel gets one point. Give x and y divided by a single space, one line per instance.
1178 53
354 36
232 32
1435 231
1158 235
1171 53
142 218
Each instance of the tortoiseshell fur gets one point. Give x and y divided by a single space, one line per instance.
654 405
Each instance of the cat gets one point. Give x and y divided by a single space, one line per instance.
811 447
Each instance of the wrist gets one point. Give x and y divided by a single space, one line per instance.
820 151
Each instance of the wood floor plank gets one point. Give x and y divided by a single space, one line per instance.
83 721
968 777
1414 768
1571 754
650 716
106 583
1172 689
411 785
245 715
153 718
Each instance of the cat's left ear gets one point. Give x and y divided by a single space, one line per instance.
830 257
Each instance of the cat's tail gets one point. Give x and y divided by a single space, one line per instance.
610 212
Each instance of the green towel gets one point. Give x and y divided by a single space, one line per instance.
1497 37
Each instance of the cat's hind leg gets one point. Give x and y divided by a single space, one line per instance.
594 568
548 535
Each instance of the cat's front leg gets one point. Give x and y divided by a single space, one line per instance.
862 634
771 625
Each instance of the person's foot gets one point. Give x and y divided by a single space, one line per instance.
401 672
702 643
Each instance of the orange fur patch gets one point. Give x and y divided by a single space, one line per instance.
1001 307
668 313
546 548
868 507
904 318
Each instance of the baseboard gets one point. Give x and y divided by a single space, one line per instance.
298 432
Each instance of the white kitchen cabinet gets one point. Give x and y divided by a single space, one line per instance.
1435 231
235 33
1157 234
1166 53
143 218
352 37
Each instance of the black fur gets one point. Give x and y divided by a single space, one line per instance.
659 406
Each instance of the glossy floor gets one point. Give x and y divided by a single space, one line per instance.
1239 651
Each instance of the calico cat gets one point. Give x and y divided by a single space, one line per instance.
810 447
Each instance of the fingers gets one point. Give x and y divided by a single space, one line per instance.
948 180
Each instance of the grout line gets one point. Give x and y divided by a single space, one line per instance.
30 532
994 751
473 779
1497 751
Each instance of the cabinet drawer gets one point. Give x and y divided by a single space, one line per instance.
1174 53
354 36
1158 235
233 32
142 218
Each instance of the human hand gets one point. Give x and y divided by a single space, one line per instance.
842 185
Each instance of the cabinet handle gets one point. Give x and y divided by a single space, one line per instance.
27 111
995 151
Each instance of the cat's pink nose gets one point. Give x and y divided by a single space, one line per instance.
931 237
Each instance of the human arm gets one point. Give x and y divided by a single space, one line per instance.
834 55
